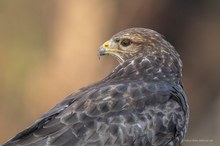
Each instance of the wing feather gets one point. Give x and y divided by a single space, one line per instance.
113 114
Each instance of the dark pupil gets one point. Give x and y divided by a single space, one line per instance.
125 42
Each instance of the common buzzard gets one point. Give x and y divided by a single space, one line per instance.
140 103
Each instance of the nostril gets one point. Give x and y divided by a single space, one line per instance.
106 44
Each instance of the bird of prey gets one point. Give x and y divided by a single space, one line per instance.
140 103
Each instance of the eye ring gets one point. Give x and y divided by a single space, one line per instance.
125 42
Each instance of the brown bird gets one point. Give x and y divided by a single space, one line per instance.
140 103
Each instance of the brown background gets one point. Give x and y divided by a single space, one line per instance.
48 50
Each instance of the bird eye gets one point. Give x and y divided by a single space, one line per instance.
125 42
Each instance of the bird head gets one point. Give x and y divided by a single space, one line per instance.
134 42
122 46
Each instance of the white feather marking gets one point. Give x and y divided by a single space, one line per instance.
159 70
107 98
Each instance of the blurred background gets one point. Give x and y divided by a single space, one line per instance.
48 50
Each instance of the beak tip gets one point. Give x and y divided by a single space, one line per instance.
102 51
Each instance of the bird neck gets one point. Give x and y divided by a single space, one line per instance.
148 68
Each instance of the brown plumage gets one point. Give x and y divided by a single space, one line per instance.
141 103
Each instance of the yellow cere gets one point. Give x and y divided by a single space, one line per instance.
106 46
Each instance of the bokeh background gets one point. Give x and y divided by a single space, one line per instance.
48 50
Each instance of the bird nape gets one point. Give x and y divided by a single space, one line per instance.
140 103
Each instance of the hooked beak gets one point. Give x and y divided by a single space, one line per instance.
103 50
